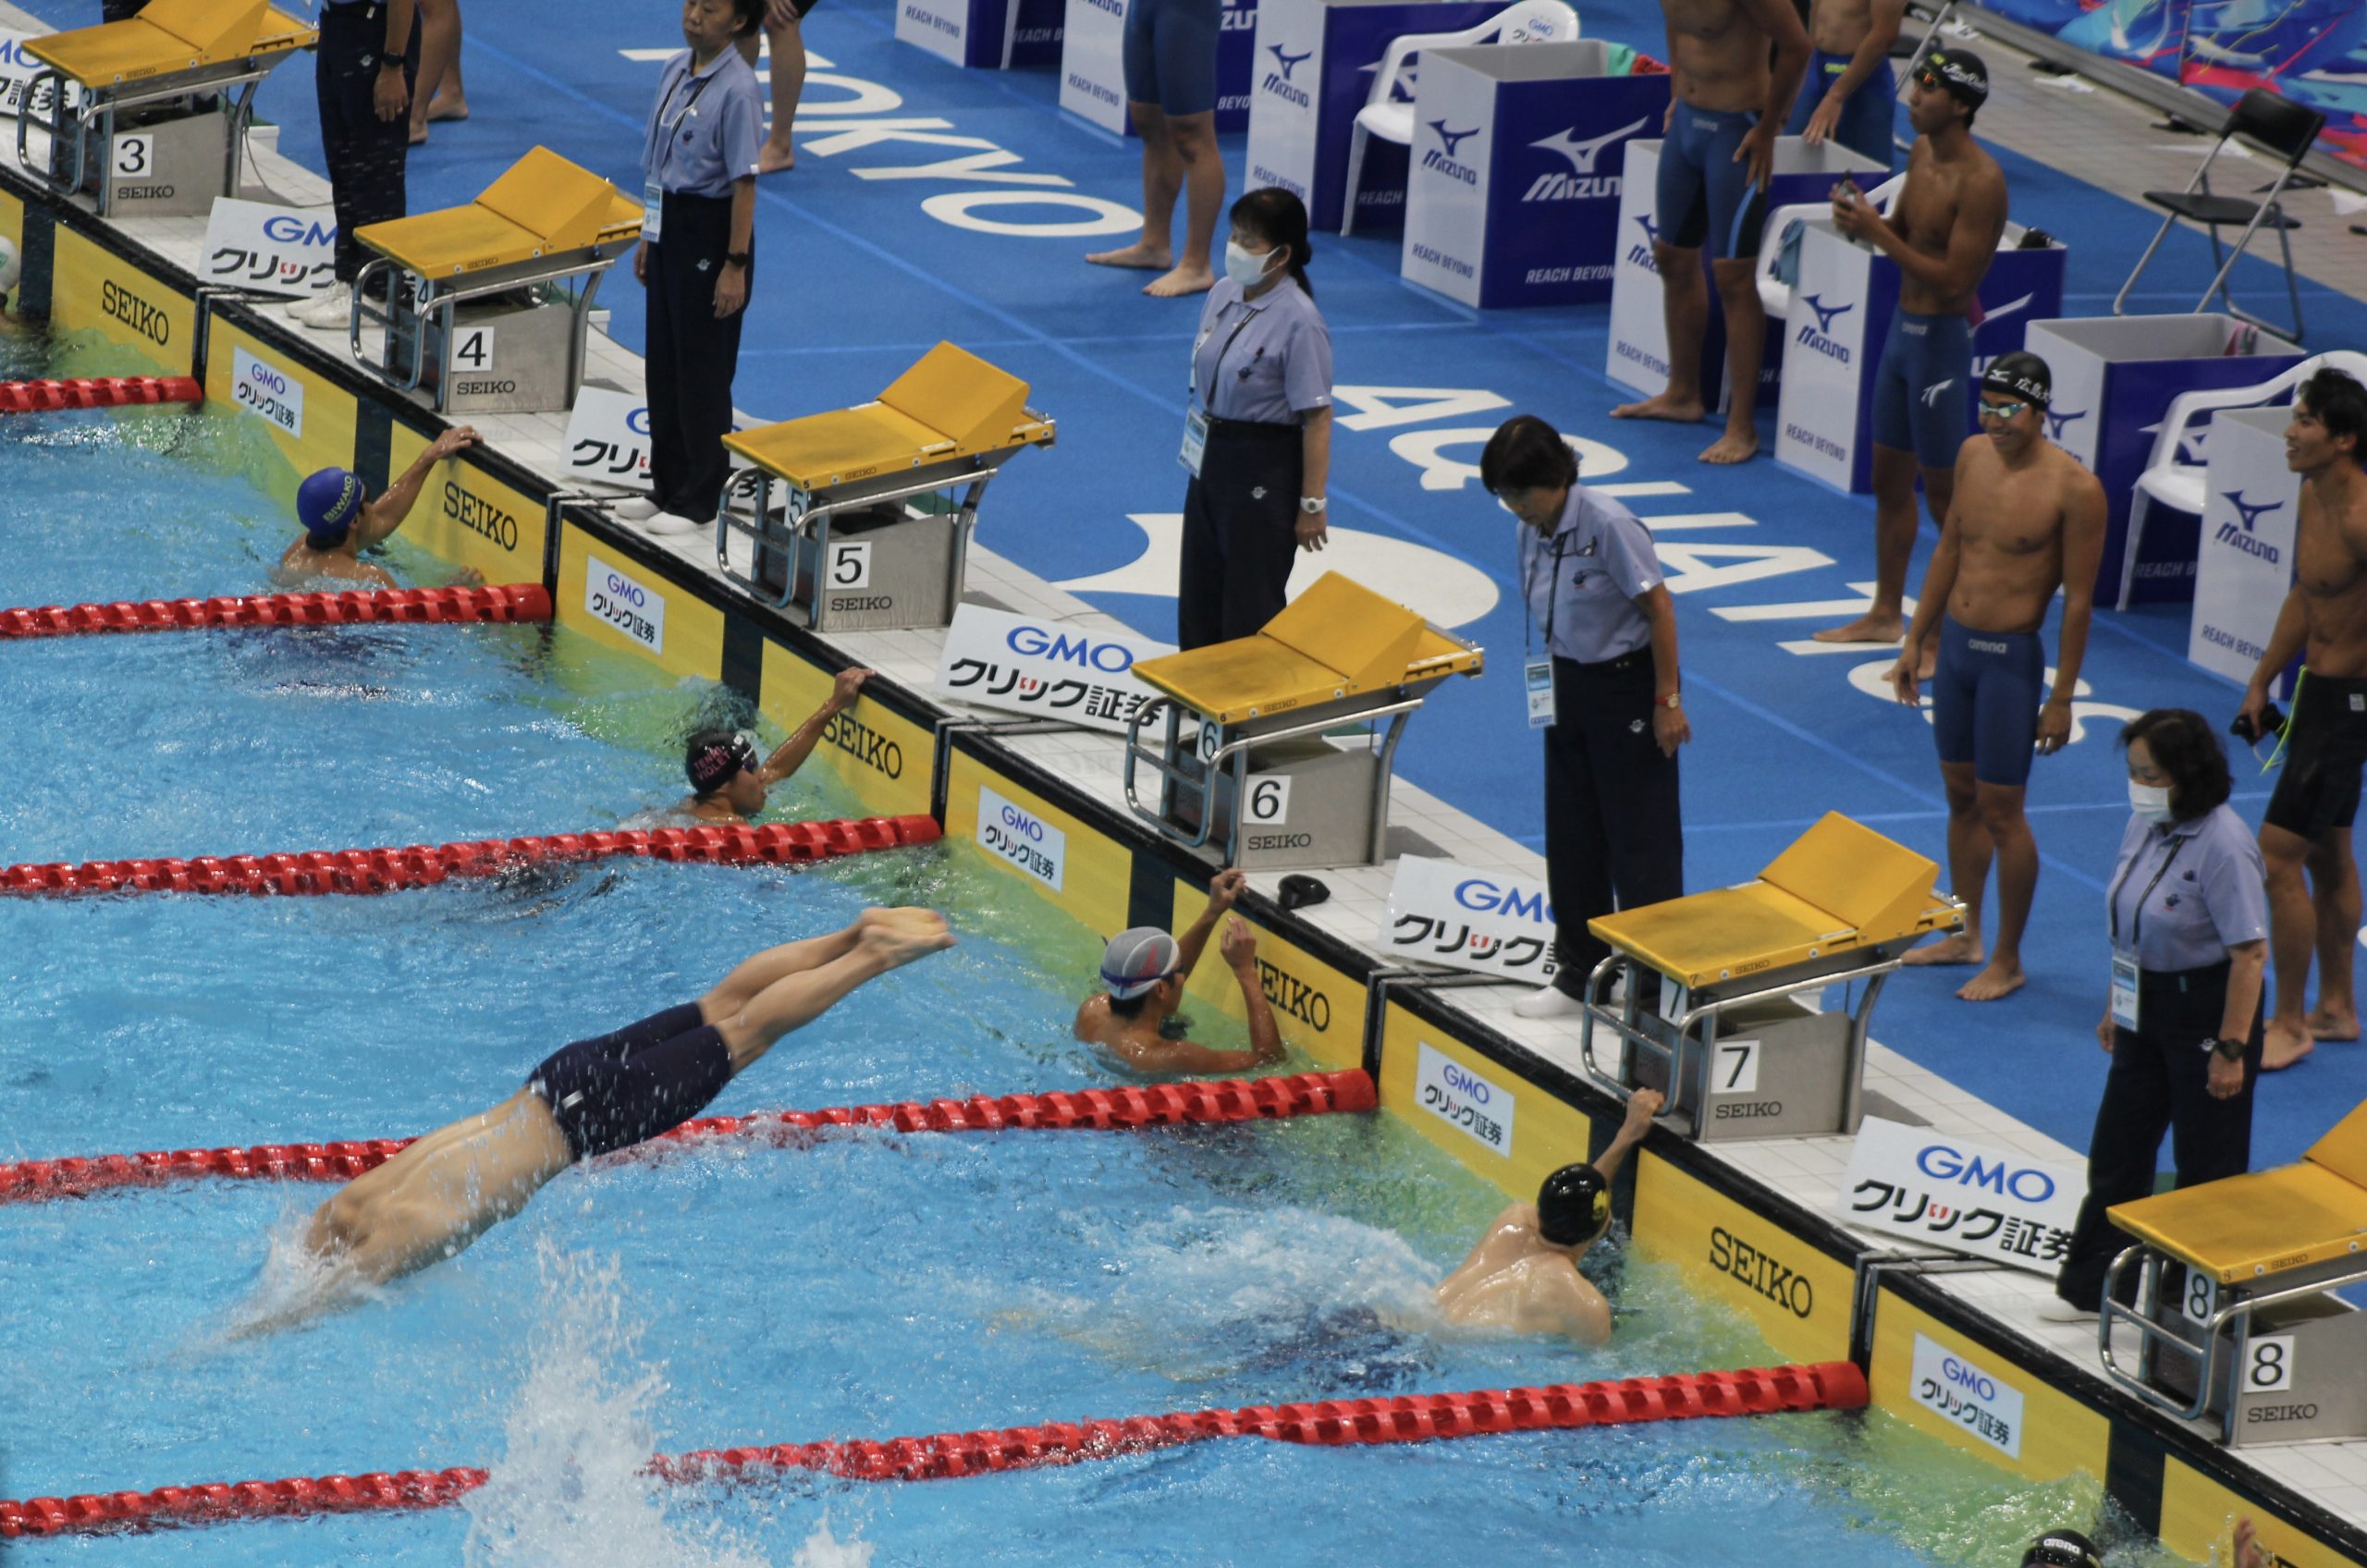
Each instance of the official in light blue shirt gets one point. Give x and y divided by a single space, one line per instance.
1257 432
1606 691
697 257
2187 911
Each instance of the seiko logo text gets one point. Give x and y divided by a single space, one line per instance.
135 312
1289 993
866 744
479 516
1730 1254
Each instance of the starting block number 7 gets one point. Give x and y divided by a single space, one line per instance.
1738 1068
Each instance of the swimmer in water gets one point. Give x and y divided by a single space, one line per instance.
12 268
1524 1274
727 782
341 521
1146 970
592 1098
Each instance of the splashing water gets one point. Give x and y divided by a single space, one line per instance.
295 1284
571 1486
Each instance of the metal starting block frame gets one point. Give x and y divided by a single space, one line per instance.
122 141
2251 1333
450 322
846 542
1734 1043
1244 758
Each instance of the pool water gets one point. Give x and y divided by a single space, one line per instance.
867 1284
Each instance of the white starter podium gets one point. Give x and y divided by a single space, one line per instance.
2244 564
1842 308
1638 354
1525 209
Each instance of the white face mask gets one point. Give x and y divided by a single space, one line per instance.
2151 802
1245 268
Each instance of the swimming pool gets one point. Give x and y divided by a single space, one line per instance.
866 1284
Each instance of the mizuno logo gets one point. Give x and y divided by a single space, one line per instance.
2055 422
1451 140
1652 229
2002 312
1288 62
1824 316
1931 393
1582 154
2253 513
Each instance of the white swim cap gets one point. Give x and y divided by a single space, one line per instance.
11 266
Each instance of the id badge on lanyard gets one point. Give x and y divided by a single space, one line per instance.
2124 990
1537 675
653 209
1195 441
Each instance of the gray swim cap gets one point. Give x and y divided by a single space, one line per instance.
1137 960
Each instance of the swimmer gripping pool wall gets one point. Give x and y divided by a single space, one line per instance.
1146 970
590 1099
730 778
341 519
1522 1273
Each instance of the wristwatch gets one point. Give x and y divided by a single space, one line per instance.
1673 700
2233 1050
1312 505
737 258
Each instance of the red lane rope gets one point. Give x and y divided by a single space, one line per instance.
1836 1385
96 392
1149 1104
424 866
509 602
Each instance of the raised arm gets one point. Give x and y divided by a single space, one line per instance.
791 755
1642 1105
384 514
1223 888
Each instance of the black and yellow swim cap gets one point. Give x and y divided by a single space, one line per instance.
1574 1206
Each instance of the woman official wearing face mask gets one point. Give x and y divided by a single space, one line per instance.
1258 437
2188 917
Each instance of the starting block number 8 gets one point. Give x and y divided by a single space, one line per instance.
2268 1364
135 154
2202 1296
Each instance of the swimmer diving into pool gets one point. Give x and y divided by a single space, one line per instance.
1523 1275
1146 971
341 519
592 1098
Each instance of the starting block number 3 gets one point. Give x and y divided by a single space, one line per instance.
473 348
135 154
2268 1364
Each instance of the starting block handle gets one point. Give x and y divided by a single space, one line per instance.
55 127
1202 773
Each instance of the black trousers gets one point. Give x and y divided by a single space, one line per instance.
366 155
690 356
1614 830
2159 1083
1240 532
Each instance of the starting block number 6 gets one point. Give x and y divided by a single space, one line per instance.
473 348
850 563
135 154
1269 800
2268 1364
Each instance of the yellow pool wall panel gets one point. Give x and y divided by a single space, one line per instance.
1318 1010
295 417
1503 1128
1056 855
621 604
92 289
1939 1382
466 516
884 759
1799 1297
2199 1516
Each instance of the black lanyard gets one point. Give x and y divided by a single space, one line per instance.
1217 372
1554 599
666 127
2137 927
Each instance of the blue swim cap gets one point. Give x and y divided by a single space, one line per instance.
326 504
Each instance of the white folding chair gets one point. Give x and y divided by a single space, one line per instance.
1773 292
1390 116
2181 486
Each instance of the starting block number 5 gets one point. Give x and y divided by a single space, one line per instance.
850 563
135 154
1269 802
1738 1068
2268 1364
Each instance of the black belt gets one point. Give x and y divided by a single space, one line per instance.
694 199
1251 429
2159 980
1620 665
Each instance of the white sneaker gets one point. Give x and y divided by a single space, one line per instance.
332 309
671 523
639 508
1549 1002
2055 1309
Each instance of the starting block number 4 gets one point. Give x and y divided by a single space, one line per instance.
1738 1068
850 563
473 348
135 154
2268 1364
1269 802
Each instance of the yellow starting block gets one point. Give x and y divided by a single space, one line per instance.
862 538
2236 1314
1246 760
487 306
150 115
1732 1042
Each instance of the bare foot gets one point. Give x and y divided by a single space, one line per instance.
1148 258
1867 628
897 936
1962 948
777 155
2328 1023
441 107
1179 282
418 136
1733 446
2285 1045
1662 405
1997 979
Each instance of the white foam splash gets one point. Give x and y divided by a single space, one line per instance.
571 1486
296 1284
823 1550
